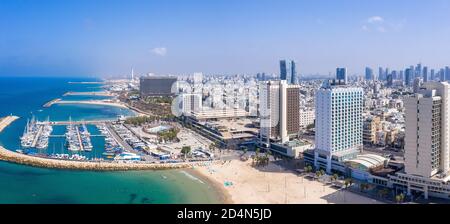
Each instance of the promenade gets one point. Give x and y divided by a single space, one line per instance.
6 121
14 157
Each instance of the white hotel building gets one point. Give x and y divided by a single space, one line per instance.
339 124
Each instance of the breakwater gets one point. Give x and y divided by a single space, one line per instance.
6 121
14 157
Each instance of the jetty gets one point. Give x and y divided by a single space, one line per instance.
6 121
92 102
50 103
37 136
102 93
14 157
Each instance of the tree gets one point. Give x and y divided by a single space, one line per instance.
400 198
185 150
348 182
335 177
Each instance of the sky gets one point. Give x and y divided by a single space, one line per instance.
109 37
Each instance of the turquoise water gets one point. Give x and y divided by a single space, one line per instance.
24 97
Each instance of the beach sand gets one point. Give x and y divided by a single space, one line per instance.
248 185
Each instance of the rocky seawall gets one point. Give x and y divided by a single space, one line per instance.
14 157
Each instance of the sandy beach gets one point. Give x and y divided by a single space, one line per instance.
248 185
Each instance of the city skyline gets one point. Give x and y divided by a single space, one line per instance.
108 38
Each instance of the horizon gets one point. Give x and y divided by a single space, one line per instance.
108 38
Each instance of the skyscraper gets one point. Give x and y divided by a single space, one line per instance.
380 74
425 74
339 124
408 76
447 73
418 71
279 110
369 74
288 71
432 75
390 80
341 75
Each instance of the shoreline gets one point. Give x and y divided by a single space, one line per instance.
272 185
93 102
223 195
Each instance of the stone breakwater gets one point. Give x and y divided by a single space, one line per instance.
14 157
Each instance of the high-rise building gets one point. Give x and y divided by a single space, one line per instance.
190 103
380 74
339 124
157 86
288 71
447 73
425 74
390 80
279 110
442 75
408 76
418 71
341 75
432 75
369 74
427 140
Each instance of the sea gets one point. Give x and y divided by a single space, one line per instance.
25 97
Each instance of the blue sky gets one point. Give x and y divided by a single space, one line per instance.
108 37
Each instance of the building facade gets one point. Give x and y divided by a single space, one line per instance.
339 123
279 110
157 86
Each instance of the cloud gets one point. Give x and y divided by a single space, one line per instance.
375 19
381 25
160 51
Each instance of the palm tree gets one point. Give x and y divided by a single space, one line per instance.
335 176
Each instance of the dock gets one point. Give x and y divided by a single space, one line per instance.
80 142
50 103
36 137
119 140
103 93
6 121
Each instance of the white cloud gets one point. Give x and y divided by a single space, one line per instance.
375 19
160 51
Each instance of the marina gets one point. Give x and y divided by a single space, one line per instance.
78 138
36 134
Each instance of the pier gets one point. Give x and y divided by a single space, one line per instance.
36 137
6 121
80 142
87 94
50 103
